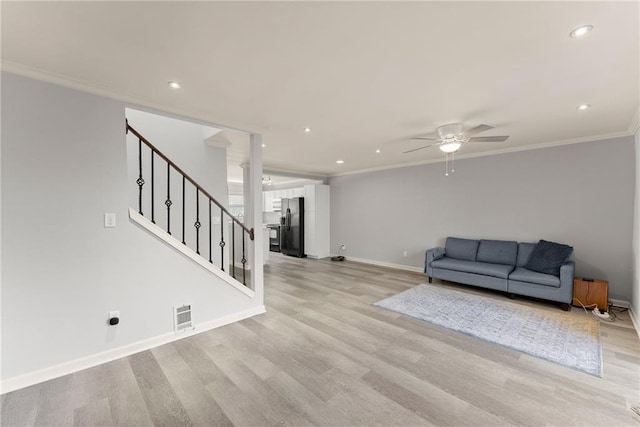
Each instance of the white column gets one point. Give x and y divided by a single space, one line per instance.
253 213
246 194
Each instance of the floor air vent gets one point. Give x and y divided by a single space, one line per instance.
182 318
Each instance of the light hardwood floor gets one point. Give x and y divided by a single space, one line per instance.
323 355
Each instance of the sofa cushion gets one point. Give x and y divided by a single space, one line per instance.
486 269
521 274
497 252
524 252
548 257
465 249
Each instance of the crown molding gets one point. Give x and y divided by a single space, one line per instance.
551 144
141 103
151 106
267 170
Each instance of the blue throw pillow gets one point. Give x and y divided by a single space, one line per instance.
548 257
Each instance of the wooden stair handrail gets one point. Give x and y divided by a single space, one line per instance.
191 180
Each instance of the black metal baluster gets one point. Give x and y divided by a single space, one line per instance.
197 223
140 180
210 238
233 249
168 202
183 219
222 243
153 209
244 261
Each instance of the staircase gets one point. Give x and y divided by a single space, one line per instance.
206 231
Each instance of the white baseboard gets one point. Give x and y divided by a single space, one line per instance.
76 365
620 303
632 314
386 264
616 302
634 320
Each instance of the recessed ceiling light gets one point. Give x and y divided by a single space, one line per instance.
339 162
579 32
174 85
378 151
583 107
264 145
307 130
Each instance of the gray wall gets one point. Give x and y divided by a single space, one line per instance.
64 164
579 194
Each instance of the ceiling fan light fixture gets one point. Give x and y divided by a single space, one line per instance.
450 147
450 131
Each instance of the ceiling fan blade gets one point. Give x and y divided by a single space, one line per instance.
477 129
420 148
426 138
488 139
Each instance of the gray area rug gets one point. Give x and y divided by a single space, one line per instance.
559 337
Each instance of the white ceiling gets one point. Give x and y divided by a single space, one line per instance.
363 76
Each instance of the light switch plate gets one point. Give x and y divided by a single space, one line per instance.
109 220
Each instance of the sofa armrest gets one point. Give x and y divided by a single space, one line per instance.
567 273
432 255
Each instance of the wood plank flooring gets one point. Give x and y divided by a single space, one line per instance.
324 355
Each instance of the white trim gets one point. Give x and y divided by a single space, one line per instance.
147 104
187 251
79 364
634 319
385 264
441 159
620 303
616 302
107 92
626 304
266 170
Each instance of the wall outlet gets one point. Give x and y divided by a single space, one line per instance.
405 253
114 318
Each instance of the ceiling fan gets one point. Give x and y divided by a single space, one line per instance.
451 137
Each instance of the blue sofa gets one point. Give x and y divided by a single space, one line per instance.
498 265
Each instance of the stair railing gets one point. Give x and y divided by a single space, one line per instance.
140 181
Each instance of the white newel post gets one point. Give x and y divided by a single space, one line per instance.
254 214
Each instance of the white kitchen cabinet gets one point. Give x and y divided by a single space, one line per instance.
316 220
267 201
269 197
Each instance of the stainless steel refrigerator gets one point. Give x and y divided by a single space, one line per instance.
292 227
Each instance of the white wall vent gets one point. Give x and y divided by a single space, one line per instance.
182 318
